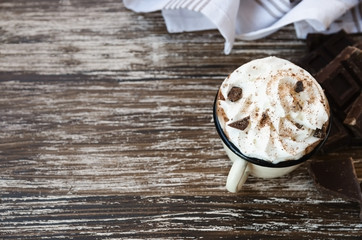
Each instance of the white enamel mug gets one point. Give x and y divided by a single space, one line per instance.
244 165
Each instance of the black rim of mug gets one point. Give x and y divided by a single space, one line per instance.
260 162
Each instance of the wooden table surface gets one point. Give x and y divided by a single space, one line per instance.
106 132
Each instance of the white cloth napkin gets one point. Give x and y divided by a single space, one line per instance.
254 19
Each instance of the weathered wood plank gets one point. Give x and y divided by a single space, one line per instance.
133 130
180 217
107 40
71 147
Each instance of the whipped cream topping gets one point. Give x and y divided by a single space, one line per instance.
273 110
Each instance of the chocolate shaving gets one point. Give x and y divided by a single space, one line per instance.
235 94
319 133
240 124
299 87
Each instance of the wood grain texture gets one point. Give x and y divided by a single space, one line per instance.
107 133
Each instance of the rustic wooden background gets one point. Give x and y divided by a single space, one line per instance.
106 132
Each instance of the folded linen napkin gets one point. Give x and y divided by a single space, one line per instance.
254 19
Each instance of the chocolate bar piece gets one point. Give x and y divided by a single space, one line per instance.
337 177
323 50
354 64
342 79
354 117
339 137
340 39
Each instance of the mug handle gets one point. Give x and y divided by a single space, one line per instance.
237 175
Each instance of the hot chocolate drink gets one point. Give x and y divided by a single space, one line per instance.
273 113
273 110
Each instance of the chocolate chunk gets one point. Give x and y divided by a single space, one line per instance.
324 50
342 80
339 137
299 87
235 94
336 177
354 117
319 133
240 124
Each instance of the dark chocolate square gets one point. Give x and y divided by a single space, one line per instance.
341 79
354 66
342 87
315 61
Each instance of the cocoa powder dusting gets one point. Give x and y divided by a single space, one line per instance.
264 119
